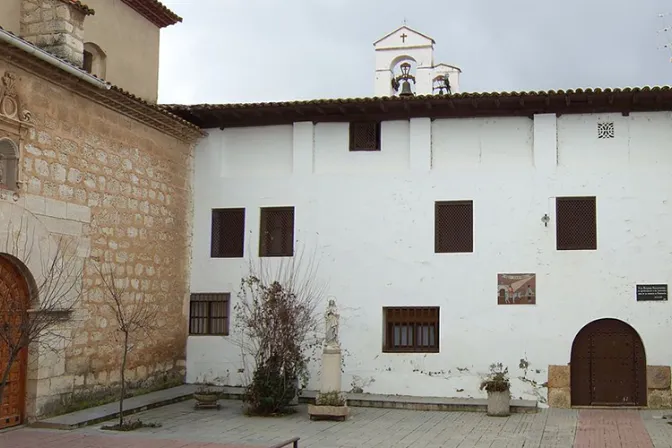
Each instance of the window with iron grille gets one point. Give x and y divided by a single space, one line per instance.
411 329
276 238
228 233
209 314
576 226
454 226
365 136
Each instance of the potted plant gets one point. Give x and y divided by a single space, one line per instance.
330 405
206 396
497 385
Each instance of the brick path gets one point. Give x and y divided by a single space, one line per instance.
183 427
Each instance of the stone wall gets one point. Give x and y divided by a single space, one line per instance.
657 383
123 190
56 27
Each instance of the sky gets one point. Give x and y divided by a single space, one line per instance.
241 51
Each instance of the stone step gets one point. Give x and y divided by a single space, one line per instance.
405 402
132 405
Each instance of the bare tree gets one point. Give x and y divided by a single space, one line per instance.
134 315
36 317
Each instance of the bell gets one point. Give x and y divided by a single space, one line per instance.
406 89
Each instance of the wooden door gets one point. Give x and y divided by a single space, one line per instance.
608 366
14 301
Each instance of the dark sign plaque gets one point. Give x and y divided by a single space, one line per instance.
651 292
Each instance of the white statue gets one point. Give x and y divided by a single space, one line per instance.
331 323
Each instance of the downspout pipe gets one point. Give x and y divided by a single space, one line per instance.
17 42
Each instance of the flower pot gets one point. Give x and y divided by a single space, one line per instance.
499 404
206 400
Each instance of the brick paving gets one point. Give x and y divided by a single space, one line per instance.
607 428
184 427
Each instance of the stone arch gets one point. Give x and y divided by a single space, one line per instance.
95 60
608 365
9 163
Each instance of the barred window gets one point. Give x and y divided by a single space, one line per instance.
276 238
228 233
365 136
411 329
209 314
454 226
576 227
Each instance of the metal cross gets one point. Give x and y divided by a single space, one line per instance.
403 37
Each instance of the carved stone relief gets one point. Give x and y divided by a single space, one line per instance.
15 122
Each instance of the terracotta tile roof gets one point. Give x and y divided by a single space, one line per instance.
154 11
460 105
81 6
116 98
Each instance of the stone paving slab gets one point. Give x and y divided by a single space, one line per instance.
111 410
32 438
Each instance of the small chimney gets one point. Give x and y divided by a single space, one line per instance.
56 26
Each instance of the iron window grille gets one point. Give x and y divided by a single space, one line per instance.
227 233
209 314
411 329
365 136
576 226
454 226
276 237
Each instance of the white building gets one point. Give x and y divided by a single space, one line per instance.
517 219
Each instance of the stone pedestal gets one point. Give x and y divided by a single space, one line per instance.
331 369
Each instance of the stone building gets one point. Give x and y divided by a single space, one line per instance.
104 166
454 231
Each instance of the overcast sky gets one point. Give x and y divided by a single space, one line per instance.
275 50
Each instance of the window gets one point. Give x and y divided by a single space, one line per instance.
227 233
411 329
576 227
454 226
276 238
8 164
209 314
95 60
88 61
365 136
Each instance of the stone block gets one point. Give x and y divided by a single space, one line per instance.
62 226
559 398
78 212
658 377
558 376
659 399
35 204
56 208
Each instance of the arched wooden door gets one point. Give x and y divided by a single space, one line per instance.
608 366
14 300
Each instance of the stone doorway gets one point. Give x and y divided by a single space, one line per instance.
14 301
608 365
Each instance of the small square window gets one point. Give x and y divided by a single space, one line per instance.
605 130
227 233
209 314
454 226
576 227
365 136
276 237
411 329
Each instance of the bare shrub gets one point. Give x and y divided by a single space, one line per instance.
278 327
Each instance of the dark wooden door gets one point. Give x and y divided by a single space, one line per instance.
14 301
608 366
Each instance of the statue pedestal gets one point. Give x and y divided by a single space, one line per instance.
331 369
330 402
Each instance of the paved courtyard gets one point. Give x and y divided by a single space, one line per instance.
184 427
